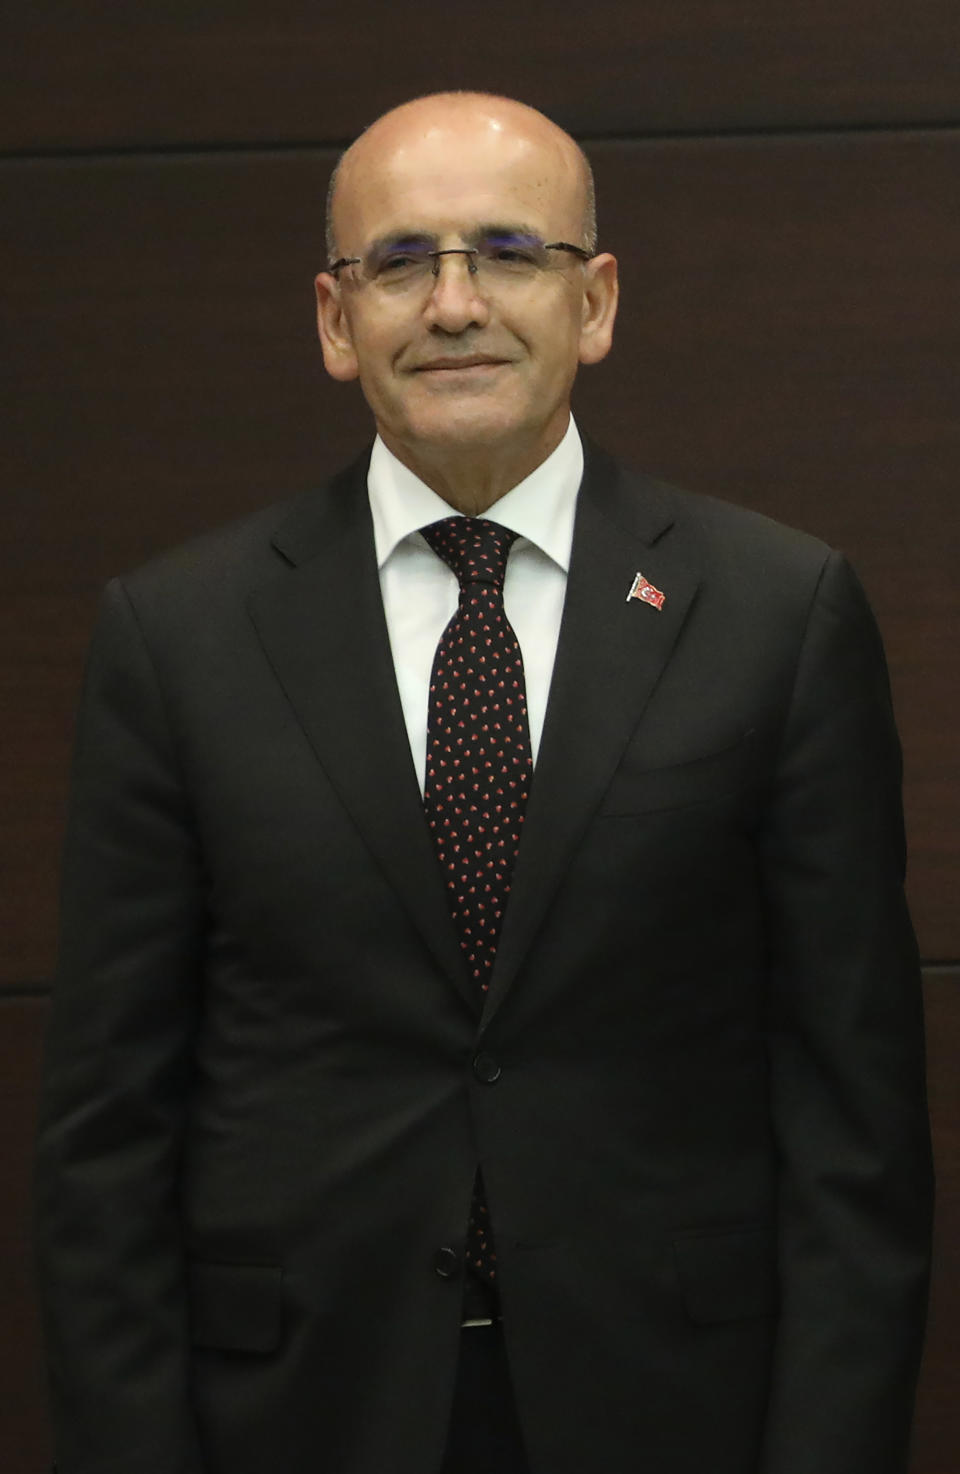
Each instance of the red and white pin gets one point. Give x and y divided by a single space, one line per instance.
646 592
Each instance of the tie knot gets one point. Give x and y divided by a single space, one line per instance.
474 548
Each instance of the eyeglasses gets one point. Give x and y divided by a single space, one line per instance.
497 258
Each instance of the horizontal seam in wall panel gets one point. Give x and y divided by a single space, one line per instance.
772 130
667 135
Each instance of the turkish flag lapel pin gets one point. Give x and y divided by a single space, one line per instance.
646 592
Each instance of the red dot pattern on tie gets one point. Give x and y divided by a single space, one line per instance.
479 768
479 765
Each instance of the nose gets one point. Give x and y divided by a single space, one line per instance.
456 301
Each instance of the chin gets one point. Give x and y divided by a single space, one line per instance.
468 424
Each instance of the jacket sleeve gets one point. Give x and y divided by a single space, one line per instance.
118 1078
846 1053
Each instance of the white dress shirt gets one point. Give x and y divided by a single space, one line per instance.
420 592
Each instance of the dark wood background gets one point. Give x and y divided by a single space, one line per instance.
779 182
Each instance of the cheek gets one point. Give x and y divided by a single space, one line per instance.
555 330
377 381
559 350
376 341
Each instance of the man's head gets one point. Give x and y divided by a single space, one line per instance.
467 362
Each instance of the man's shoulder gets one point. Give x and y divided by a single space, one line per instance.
739 543
756 578
714 518
231 560
233 551
726 537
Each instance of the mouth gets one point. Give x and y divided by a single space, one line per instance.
458 365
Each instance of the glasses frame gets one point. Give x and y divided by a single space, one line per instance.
468 251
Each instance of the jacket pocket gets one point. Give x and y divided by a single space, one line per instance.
235 1307
727 1274
635 790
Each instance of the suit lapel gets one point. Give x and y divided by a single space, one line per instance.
323 629
609 658
342 687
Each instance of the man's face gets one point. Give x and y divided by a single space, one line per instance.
457 364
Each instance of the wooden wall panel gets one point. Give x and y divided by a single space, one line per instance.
115 75
23 1433
789 338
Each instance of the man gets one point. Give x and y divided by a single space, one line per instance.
487 1034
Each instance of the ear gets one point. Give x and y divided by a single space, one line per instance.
339 357
600 295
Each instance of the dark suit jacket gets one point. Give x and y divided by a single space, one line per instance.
696 1085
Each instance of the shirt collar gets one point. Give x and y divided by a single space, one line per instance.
540 508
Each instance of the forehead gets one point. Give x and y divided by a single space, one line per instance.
450 174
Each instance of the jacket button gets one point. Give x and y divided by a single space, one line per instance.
486 1068
446 1262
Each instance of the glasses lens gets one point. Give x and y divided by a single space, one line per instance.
398 264
499 255
512 255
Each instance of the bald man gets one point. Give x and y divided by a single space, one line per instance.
487 1033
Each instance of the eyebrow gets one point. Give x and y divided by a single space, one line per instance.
514 230
511 230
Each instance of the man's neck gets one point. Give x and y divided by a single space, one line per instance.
472 478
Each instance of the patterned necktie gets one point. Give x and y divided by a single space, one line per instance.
479 766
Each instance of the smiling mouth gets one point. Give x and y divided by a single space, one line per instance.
457 365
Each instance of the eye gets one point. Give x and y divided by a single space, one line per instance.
512 253
396 261
399 263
